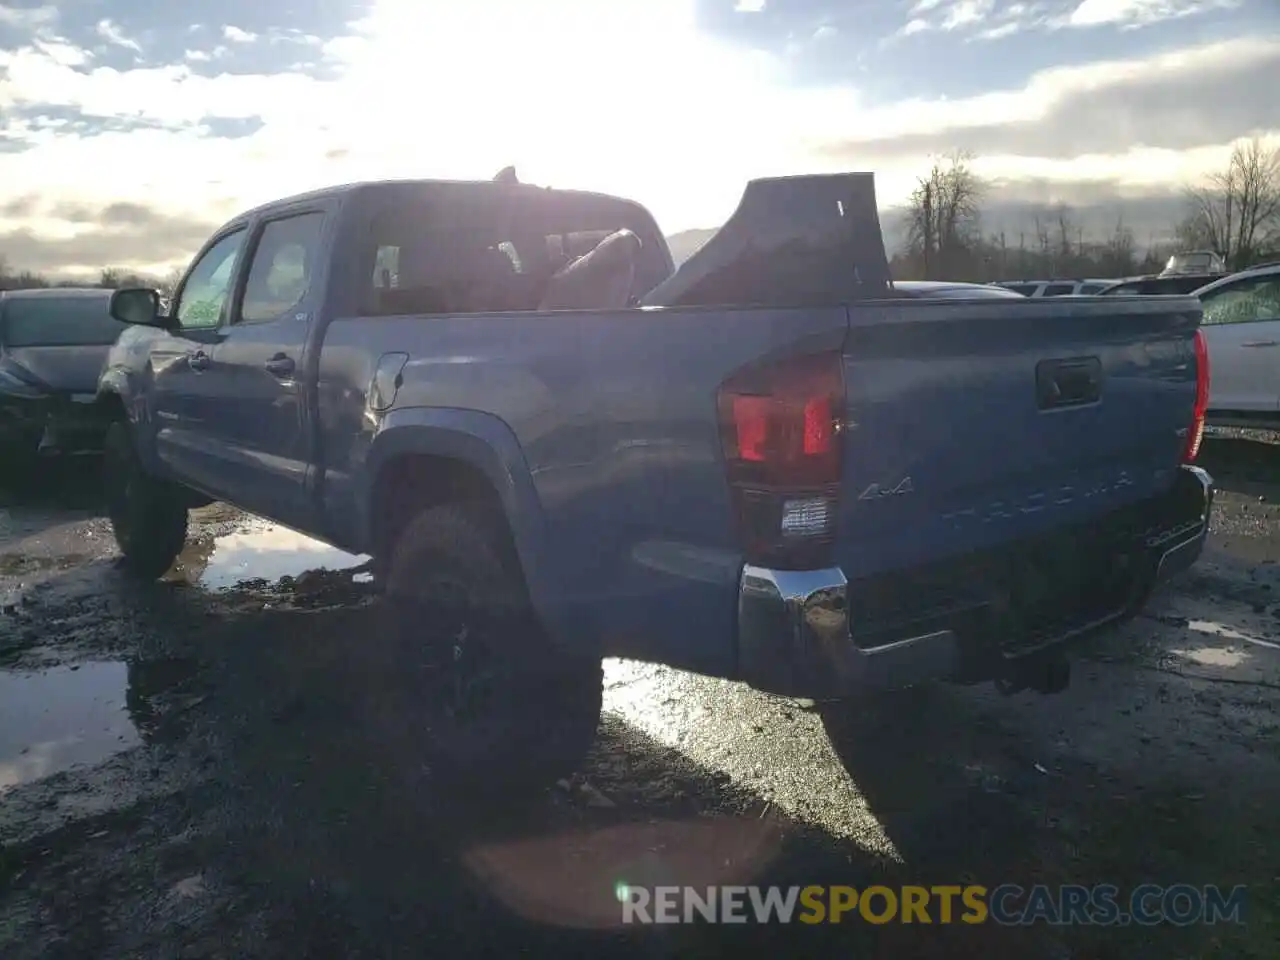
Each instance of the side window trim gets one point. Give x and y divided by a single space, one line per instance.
175 304
236 302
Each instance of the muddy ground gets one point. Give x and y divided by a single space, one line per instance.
184 771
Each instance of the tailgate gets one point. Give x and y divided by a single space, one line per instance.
973 424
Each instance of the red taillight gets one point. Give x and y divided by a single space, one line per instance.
1195 433
780 428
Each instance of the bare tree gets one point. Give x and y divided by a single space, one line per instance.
1065 228
944 216
170 282
1043 242
1119 254
1236 213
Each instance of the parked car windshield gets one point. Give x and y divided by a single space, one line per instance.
59 322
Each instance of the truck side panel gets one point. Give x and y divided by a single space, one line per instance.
616 419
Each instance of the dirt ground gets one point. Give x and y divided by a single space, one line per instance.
185 771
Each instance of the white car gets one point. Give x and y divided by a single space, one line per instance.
1055 288
946 289
1242 332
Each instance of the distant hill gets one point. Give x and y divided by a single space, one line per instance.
684 243
1151 217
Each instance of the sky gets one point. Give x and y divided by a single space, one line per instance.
130 128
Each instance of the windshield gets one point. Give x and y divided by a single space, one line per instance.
59 322
1197 261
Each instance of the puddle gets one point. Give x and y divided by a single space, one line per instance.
54 719
1229 633
260 551
1213 656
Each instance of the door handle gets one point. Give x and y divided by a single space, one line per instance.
1260 343
198 360
280 365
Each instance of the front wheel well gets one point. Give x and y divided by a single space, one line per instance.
415 482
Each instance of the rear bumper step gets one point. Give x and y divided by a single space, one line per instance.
799 631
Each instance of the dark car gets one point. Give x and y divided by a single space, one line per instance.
52 347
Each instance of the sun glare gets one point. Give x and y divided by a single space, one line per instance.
649 108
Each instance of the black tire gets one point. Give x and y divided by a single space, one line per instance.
148 516
471 689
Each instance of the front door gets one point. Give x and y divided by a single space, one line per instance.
1242 331
260 432
184 401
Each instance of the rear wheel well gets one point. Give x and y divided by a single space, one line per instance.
410 484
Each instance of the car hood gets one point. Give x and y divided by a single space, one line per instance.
57 369
793 241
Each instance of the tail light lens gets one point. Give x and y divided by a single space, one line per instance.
782 438
1196 432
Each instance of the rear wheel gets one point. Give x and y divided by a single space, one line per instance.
472 690
148 516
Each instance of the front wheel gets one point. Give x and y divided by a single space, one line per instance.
474 691
148 515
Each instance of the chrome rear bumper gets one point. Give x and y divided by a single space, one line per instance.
795 634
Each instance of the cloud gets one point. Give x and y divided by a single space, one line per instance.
989 20
28 18
75 238
249 110
966 13
111 33
1137 13
1177 101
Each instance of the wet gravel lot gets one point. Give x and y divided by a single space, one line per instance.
184 770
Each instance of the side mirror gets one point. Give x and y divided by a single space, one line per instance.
137 305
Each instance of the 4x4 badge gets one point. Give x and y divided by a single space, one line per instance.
877 492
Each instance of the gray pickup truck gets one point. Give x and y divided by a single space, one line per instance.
767 465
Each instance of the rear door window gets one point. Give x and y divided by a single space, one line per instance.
1248 301
473 251
59 322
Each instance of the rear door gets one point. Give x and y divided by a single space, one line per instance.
259 433
1242 329
184 401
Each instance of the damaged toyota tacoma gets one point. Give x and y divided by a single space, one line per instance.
767 465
